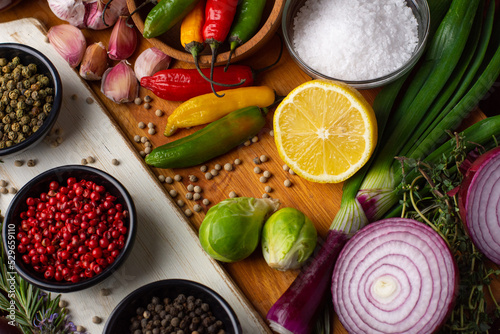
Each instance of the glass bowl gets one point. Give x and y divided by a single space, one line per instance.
421 11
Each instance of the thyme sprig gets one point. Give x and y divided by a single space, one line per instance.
36 312
430 198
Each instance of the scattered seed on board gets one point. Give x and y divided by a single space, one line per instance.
197 189
54 144
89 100
141 125
144 139
189 196
147 98
203 168
3 183
228 167
263 179
151 131
169 180
12 190
63 303
271 133
74 97
180 203
193 178
188 213
84 161
4 190
286 168
196 196
147 150
263 158
138 100
214 172
197 207
287 183
137 138
59 140
80 328
116 162
90 159
96 320
206 201
147 144
237 162
159 112
232 194
18 163
147 106
268 189
173 193
267 174
151 125
218 167
265 195
105 292
208 175
142 153
257 170
31 163
247 143
161 178
255 139
256 161
291 172
177 177
190 187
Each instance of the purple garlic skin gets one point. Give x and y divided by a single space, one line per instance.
123 40
95 62
72 11
119 83
69 42
149 62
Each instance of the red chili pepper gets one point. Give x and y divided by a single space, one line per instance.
181 84
219 15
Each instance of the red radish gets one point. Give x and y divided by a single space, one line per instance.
394 276
479 203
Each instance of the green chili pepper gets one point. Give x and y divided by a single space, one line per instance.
165 15
213 140
245 24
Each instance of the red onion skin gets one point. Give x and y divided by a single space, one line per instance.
296 308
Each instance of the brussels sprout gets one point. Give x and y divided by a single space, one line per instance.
231 229
288 239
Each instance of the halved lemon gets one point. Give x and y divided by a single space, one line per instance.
325 131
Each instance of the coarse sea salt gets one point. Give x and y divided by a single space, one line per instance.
355 39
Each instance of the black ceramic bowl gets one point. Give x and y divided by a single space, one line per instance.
29 55
40 184
119 320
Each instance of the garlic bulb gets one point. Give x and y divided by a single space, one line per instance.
123 40
119 83
69 42
72 11
94 10
149 62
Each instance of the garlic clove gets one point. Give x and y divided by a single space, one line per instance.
95 10
149 62
123 40
95 62
72 11
119 83
69 42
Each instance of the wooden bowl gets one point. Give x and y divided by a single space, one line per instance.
170 44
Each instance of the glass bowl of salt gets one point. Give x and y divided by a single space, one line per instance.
363 43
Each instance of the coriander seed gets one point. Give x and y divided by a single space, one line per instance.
203 168
190 187
147 144
208 176
31 163
263 179
12 190
237 162
206 201
147 98
214 172
151 131
159 112
271 133
89 100
137 138
4 190
151 125
268 189
161 178
287 183
84 161
256 161
115 162
286 168
232 194
228 167
197 189
265 195
263 158
257 170
177 177
189 196
193 178
188 213
180 203
147 106
196 196
142 153
144 139
147 150
3 183
137 100
141 125
18 163
267 174
247 143
80 328
169 180
197 207
90 159
173 193
96 320
255 139
218 167
291 172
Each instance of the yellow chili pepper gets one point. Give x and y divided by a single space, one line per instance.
208 107
192 29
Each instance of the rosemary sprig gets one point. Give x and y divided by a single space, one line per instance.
35 311
432 202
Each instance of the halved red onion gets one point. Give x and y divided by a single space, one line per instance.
479 203
394 276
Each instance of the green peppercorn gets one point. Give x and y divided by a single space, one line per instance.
6 69
32 68
13 95
20 113
47 108
35 95
49 91
2 106
35 86
26 84
44 81
11 85
25 120
19 86
26 129
42 94
3 62
33 122
9 143
35 128
29 101
15 127
37 103
6 120
8 110
42 116
35 111
49 99
20 138
12 135
26 72
32 80
6 128
27 93
17 74
2 114
39 122
2 144
16 61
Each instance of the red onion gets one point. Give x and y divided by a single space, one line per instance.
394 276
479 203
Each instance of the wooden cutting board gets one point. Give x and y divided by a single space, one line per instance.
166 245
